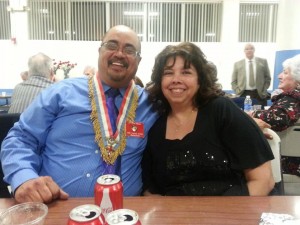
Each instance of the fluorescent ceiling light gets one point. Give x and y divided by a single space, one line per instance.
139 13
210 34
153 14
17 9
44 11
252 14
127 13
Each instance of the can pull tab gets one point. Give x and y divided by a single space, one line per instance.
116 219
85 213
126 218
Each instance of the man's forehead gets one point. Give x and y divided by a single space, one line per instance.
123 38
248 47
120 31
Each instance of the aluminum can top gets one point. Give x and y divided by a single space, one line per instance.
108 179
122 217
84 213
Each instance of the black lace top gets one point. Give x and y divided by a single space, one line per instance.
208 161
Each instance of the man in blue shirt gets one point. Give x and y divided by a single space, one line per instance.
64 140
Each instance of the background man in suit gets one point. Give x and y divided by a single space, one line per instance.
251 76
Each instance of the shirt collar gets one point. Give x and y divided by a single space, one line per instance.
248 60
106 88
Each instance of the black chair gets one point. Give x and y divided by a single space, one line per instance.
7 121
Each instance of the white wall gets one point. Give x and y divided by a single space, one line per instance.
14 57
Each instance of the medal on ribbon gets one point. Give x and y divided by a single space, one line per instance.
111 144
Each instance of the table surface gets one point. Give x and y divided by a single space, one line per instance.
184 210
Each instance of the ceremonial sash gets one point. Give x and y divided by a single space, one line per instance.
111 144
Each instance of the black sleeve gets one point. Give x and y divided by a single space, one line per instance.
146 168
244 141
149 170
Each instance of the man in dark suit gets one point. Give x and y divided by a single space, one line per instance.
251 76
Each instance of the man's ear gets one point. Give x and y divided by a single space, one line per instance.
52 77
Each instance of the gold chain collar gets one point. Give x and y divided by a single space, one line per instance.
108 152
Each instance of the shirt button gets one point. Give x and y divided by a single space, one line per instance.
88 175
96 151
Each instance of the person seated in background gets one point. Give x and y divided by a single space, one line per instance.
285 109
40 76
197 146
89 70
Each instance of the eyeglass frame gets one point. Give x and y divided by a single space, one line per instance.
137 53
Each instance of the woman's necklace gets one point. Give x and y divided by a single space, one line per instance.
179 126
185 122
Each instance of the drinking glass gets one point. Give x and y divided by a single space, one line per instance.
29 213
256 107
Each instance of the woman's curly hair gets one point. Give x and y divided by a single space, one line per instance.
206 71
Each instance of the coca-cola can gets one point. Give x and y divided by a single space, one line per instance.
109 193
86 215
122 217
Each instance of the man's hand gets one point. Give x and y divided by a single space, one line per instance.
42 189
262 125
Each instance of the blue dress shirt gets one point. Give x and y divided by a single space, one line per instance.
55 137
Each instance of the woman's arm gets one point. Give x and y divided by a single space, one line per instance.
260 180
262 125
282 114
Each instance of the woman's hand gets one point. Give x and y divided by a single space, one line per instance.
262 125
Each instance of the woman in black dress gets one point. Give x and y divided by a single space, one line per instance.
203 144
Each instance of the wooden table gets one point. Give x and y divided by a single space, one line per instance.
185 210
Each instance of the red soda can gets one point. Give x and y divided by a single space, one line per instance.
86 215
109 193
123 217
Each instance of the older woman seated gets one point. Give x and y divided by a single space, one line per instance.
285 110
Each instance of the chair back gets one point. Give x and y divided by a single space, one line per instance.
7 121
290 140
276 162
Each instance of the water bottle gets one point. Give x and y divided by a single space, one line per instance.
248 104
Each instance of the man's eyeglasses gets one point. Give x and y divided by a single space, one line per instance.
127 50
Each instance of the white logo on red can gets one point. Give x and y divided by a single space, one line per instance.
109 193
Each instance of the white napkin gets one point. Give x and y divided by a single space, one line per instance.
277 219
